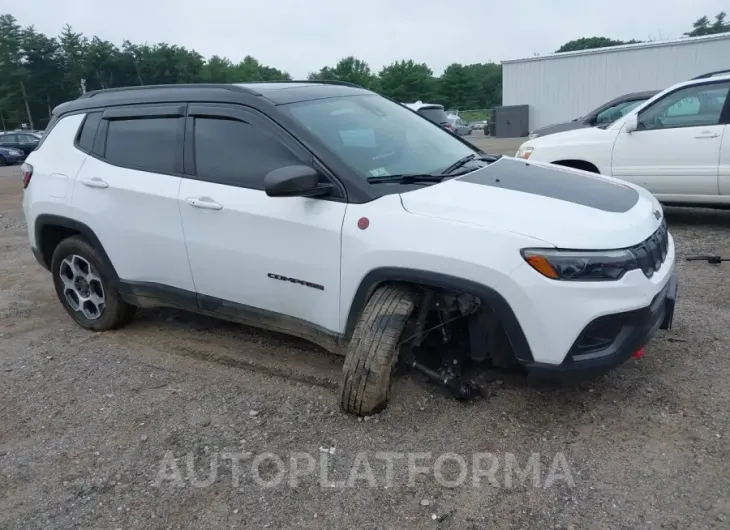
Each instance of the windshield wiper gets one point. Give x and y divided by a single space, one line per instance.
463 161
456 165
406 178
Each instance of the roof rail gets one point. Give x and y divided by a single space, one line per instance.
225 86
306 81
711 74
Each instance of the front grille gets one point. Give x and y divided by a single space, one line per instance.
651 253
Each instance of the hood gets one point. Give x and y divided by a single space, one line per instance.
578 135
558 127
565 207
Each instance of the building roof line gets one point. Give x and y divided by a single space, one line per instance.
622 47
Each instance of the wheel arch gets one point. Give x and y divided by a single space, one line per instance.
499 304
50 230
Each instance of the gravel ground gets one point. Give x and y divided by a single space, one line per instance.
99 430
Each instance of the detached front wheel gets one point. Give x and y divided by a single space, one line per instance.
373 351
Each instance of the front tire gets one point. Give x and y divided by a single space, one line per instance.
373 351
84 288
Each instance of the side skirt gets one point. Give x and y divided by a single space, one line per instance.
149 295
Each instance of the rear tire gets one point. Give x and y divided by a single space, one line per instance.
373 351
3 162
84 288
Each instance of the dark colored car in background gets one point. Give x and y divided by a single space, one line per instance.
605 114
10 156
20 140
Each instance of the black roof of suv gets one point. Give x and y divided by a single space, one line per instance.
273 93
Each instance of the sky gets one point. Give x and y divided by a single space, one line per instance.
301 36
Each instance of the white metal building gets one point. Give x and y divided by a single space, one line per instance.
563 86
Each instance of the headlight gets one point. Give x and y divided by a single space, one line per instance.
15 152
577 265
524 152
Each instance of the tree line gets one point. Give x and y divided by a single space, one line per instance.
700 27
38 72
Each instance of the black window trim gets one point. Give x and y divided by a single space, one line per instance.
142 111
246 114
724 113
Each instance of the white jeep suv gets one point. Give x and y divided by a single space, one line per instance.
328 212
676 144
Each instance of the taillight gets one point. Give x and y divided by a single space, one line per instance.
27 171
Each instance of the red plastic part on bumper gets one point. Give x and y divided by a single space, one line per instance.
638 354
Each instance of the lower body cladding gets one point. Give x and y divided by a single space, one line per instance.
611 340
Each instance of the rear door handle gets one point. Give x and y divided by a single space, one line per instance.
95 182
707 135
205 203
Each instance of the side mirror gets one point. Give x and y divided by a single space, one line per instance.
295 181
631 123
592 119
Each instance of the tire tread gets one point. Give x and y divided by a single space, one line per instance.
373 350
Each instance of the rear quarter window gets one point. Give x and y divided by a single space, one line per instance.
87 132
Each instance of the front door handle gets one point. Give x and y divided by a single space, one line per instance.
707 135
204 202
95 182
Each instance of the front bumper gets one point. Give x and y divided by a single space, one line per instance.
611 340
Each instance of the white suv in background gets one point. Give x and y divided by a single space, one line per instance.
328 212
433 112
676 144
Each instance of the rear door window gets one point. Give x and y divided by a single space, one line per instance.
147 144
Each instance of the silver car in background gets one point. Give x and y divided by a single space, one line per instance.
460 127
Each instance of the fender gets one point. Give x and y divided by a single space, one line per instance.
488 295
45 254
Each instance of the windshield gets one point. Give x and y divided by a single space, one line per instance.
611 114
377 137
